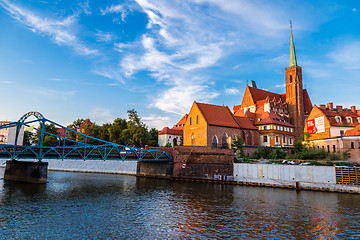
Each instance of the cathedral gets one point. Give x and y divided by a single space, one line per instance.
280 118
263 119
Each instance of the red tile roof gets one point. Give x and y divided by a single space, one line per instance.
260 95
245 123
87 122
353 132
181 123
217 115
331 114
171 131
271 118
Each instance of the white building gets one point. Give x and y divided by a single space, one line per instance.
7 135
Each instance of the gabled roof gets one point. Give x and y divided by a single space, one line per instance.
259 94
171 131
271 118
245 123
181 123
87 122
353 132
217 115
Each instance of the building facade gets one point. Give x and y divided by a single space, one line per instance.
216 126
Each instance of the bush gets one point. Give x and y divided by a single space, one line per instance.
264 152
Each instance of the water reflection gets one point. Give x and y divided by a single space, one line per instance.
109 206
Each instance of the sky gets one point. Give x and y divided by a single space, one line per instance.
97 59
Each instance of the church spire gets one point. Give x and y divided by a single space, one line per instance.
292 61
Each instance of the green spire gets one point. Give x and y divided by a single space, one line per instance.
292 61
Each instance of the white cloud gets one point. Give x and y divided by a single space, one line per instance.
231 91
157 122
61 31
347 55
116 9
56 79
354 9
105 36
280 86
101 115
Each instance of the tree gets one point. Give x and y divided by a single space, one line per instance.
238 145
136 130
153 137
75 125
27 138
104 133
116 131
48 140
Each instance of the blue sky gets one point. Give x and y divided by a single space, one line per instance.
98 59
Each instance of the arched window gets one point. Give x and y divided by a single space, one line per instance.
349 119
290 78
224 143
193 139
214 142
197 119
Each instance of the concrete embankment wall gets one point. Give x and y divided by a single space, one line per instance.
291 176
96 166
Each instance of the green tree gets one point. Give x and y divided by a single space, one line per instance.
75 125
136 131
116 131
48 140
153 137
105 134
238 145
27 138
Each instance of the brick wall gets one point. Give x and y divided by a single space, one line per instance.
202 162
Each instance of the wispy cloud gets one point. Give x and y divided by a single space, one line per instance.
231 91
56 79
156 121
101 114
60 30
105 36
116 9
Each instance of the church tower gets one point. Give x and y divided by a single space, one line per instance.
294 91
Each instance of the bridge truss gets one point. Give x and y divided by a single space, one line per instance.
69 148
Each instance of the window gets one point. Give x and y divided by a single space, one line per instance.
265 139
197 119
352 145
277 139
190 121
338 119
214 142
328 148
284 140
224 141
334 148
290 78
358 144
193 139
341 132
348 119
358 119
264 127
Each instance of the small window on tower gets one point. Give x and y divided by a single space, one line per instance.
290 78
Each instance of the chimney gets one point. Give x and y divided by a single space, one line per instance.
339 108
322 106
353 109
330 105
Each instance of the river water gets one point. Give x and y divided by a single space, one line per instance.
105 206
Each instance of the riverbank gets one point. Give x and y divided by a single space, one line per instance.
318 178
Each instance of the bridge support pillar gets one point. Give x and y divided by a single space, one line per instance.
33 172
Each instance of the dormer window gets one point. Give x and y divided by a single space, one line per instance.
338 119
358 119
348 119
